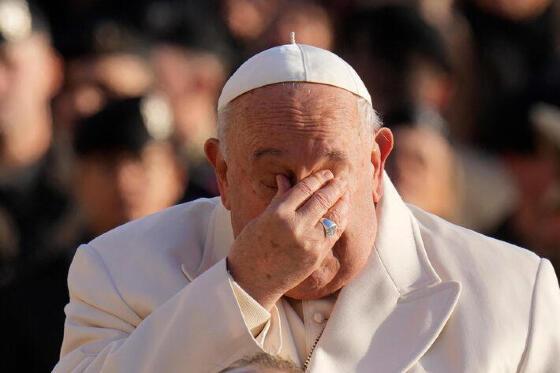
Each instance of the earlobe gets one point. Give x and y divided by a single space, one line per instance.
217 160
382 148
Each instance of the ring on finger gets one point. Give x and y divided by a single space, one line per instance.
329 227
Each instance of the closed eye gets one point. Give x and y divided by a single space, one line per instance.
269 186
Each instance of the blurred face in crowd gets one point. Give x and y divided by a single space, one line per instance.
424 83
309 21
191 81
92 81
516 10
437 12
537 219
248 19
422 169
116 187
30 74
297 130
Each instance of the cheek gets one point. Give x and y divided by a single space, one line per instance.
362 184
352 252
246 201
357 240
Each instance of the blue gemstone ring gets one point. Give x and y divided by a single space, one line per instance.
329 226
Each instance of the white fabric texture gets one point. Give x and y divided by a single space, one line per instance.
292 63
154 296
304 328
255 315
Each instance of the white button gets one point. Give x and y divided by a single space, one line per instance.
318 318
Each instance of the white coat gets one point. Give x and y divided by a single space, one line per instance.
154 296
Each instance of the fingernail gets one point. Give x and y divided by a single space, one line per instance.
328 174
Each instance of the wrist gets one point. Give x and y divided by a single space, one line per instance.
254 287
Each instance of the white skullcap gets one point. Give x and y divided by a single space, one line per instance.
292 63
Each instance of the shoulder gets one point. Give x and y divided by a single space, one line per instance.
464 251
508 294
149 251
160 231
495 277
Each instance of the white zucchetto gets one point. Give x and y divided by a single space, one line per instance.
292 63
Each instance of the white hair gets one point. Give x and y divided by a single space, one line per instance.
369 118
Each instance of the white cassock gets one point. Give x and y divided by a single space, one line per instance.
154 296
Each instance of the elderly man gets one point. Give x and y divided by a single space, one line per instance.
309 254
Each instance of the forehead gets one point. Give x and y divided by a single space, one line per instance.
294 114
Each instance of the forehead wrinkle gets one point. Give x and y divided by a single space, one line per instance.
311 113
294 121
314 149
265 139
303 104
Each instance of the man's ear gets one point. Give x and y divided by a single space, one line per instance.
382 146
216 158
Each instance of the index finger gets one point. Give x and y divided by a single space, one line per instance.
301 192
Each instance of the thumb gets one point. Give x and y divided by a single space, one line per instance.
283 185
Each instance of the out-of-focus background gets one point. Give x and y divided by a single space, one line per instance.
105 106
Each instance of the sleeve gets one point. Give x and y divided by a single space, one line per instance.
200 329
256 317
542 352
264 326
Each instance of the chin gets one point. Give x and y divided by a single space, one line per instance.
333 275
322 282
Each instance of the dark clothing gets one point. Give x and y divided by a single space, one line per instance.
511 57
37 208
201 184
33 278
32 312
32 317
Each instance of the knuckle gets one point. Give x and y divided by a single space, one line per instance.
305 187
280 214
334 216
339 213
298 230
323 200
302 238
310 249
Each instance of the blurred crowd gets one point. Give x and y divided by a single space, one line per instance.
105 107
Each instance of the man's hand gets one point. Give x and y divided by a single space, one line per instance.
286 243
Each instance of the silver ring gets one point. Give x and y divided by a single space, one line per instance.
329 227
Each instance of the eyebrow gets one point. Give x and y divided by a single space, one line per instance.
336 155
332 155
260 153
